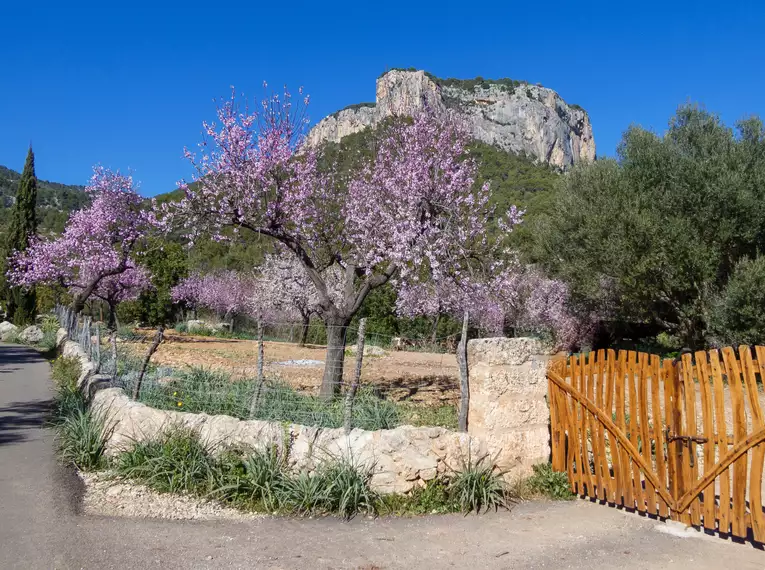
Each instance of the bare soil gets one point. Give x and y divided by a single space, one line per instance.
418 377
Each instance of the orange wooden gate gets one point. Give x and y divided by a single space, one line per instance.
678 439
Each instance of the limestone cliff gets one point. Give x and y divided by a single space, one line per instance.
515 116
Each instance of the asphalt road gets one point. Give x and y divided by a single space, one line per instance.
41 528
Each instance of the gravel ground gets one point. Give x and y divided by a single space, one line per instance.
107 496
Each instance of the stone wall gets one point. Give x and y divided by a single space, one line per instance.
508 408
401 458
508 421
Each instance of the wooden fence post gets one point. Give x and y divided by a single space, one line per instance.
464 385
351 392
149 353
98 349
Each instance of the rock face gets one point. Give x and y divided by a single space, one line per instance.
522 119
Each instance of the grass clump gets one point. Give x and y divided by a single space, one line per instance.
252 480
347 488
81 433
82 437
176 461
479 486
548 483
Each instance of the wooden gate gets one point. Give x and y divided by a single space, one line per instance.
678 439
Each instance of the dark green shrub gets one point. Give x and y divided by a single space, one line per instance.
738 316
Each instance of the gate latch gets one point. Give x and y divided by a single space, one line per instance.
686 439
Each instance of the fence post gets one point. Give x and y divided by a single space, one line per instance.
149 353
464 386
259 367
98 349
351 392
113 342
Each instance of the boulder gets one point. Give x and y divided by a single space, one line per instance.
6 327
32 334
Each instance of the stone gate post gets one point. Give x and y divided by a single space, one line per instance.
508 408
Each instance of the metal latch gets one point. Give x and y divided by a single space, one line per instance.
686 439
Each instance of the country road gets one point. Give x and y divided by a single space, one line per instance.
40 526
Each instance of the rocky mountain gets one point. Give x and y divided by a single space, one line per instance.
514 116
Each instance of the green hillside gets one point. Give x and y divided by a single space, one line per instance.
54 200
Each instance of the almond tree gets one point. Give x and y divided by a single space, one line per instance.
227 293
412 212
114 289
97 243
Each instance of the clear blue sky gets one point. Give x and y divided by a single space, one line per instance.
127 84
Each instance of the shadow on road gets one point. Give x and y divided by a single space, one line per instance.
19 418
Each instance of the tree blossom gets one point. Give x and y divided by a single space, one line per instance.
98 241
114 289
413 211
228 293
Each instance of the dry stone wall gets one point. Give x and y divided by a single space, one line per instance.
508 421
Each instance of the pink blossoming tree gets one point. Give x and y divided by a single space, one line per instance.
227 293
98 241
412 213
114 289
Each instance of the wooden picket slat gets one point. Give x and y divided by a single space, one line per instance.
758 455
739 434
691 462
601 464
723 515
658 431
645 444
597 452
624 495
632 373
577 436
611 368
703 374
585 425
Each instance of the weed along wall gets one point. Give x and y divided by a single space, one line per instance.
507 419
508 409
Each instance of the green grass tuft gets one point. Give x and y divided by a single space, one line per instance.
479 486
549 483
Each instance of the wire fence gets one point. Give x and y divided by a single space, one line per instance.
376 383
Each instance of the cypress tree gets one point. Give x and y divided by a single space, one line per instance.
21 302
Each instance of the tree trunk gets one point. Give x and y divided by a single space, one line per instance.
333 363
434 333
304 330
149 353
112 325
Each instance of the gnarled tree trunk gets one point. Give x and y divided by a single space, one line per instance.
337 328
304 330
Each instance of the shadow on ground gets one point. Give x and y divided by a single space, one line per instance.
19 420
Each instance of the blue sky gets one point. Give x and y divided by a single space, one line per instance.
127 84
